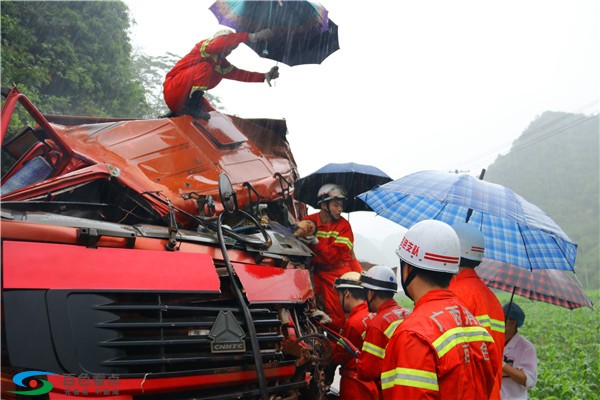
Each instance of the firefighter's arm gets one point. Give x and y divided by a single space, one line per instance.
371 355
340 249
218 44
409 368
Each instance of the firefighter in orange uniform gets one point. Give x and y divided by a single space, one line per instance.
331 239
204 67
440 351
380 286
474 294
352 298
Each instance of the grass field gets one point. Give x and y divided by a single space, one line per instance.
567 344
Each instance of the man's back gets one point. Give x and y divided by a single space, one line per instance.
440 351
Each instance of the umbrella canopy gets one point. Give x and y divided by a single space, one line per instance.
355 178
516 231
561 288
302 31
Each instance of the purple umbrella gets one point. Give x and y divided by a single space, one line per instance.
302 30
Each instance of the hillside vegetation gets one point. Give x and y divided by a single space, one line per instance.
555 165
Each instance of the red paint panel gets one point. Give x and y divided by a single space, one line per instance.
133 386
272 284
58 266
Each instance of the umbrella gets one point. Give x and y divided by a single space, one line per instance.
516 232
561 288
302 31
355 178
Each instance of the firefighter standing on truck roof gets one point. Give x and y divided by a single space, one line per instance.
331 239
474 293
352 298
380 287
204 67
440 351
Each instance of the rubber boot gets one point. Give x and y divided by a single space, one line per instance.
193 106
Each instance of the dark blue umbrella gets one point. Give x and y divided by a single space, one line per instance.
355 178
302 31
516 231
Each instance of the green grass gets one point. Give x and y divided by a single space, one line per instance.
567 344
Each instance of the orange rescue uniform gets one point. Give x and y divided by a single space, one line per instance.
484 305
440 351
351 387
379 330
333 258
203 68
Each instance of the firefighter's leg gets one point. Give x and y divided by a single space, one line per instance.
193 106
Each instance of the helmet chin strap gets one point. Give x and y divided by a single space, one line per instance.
411 275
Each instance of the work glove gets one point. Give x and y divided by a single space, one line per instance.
321 317
309 240
272 74
261 35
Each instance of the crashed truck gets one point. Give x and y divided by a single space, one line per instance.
153 259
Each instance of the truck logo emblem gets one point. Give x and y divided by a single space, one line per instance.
227 334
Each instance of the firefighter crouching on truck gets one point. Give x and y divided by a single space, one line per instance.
380 286
474 293
352 298
440 351
330 237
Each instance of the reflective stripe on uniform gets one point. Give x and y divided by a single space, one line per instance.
484 320
497 325
458 335
203 52
392 328
337 239
372 349
409 377
223 71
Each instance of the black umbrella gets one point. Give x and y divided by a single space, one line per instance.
302 31
355 178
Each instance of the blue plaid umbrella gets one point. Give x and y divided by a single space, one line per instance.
516 231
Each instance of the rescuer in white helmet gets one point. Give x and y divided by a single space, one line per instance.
330 237
440 350
380 286
474 293
352 298
204 67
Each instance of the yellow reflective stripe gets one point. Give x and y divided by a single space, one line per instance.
203 52
338 239
344 240
223 71
392 328
497 325
409 377
375 350
458 335
484 320
194 88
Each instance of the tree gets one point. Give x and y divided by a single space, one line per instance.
72 57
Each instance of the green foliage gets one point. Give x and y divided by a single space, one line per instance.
555 164
71 57
567 346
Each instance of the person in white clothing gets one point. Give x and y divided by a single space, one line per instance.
519 371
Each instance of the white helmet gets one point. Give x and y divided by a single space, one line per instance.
222 32
431 245
379 277
350 280
472 243
330 191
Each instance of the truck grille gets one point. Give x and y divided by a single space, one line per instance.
137 333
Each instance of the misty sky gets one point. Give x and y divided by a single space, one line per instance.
416 85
